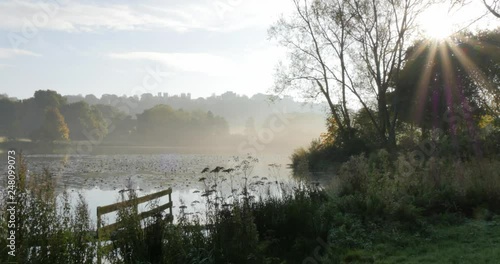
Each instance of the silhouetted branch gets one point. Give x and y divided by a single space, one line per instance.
491 9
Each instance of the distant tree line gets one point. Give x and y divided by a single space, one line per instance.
236 109
165 125
229 120
48 117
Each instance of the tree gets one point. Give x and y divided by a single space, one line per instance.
48 98
30 117
120 125
91 99
482 62
345 50
493 6
443 80
83 120
164 124
9 120
317 39
53 128
156 123
382 29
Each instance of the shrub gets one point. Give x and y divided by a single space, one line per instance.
402 191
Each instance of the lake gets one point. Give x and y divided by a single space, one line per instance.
99 178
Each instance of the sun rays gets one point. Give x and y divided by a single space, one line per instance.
447 64
425 77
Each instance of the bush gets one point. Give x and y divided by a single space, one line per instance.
405 192
323 157
290 224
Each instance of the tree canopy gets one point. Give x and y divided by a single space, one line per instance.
53 127
164 124
345 50
83 118
455 77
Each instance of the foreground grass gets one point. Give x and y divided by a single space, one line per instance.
474 241
443 212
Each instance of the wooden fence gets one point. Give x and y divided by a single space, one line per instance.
104 232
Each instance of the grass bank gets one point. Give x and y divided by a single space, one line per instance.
473 241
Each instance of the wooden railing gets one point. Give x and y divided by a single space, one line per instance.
104 232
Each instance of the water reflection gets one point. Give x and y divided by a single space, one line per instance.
99 178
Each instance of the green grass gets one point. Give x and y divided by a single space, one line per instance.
472 242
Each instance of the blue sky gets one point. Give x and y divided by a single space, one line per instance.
98 47
83 47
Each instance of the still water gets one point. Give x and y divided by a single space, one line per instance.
99 178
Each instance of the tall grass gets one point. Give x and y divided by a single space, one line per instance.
137 240
249 222
240 226
48 229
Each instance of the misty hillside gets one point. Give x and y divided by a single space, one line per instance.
236 109
228 121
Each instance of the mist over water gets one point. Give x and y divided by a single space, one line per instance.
101 178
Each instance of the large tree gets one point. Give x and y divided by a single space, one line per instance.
120 125
49 98
164 124
83 120
493 6
31 111
9 120
348 53
444 80
53 128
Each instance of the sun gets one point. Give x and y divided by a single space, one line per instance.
436 22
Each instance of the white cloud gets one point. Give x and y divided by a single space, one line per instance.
185 62
248 71
9 53
72 15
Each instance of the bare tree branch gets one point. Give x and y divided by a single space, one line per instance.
492 7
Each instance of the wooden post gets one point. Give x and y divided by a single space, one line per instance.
99 224
170 208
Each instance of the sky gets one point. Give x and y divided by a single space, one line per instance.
202 47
